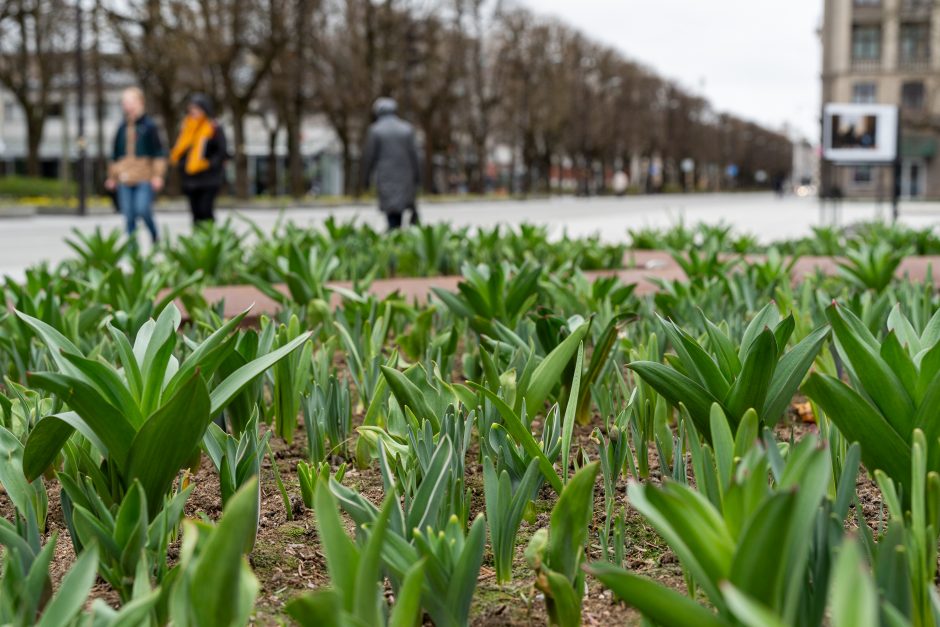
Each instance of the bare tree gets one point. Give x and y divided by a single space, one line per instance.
344 73
288 88
237 43
153 39
33 44
473 75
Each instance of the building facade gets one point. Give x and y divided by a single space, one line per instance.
886 52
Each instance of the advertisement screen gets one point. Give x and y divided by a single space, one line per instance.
855 133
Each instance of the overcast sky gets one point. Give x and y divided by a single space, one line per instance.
757 58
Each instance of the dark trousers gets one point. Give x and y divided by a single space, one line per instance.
202 203
395 218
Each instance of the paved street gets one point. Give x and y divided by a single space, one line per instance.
25 241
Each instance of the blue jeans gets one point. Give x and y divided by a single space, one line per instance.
136 202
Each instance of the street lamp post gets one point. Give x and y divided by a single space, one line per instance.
80 76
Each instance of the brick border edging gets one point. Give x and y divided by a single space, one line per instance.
649 265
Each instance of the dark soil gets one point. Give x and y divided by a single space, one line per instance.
288 560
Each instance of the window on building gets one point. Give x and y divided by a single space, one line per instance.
912 95
915 42
864 93
862 174
867 3
866 43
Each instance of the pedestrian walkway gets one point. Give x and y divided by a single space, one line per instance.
27 241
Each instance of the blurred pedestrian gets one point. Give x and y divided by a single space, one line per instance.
138 164
200 153
391 153
619 182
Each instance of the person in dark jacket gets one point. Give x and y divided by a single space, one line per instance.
391 153
200 153
138 164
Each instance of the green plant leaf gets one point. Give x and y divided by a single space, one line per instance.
547 375
237 381
747 610
407 609
750 388
168 438
789 373
342 556
410 395
570 522
853 598
880 383
663 605
882 447
677 388
73 591
521 434
758 566
221 564
102 418
571 413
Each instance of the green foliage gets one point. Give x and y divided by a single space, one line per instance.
706 263
213 584
98 250
905 557
237 460
147 418
748 554
505 508
759 374
291 379
557 553
309 477
25 595
490 294
327 417
132 543
215 251
35 187
895 389
305 276
872 266
355 593
497 376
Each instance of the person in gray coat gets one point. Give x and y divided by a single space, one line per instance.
391 153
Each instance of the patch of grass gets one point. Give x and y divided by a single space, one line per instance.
34 187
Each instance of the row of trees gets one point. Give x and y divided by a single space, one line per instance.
471 74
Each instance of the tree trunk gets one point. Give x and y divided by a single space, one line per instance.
101 158
295 163
34 125
349 187
294 118
241 159
170 115
271 183
478 181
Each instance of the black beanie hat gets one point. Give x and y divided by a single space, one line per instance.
202 101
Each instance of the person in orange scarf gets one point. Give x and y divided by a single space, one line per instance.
200 153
